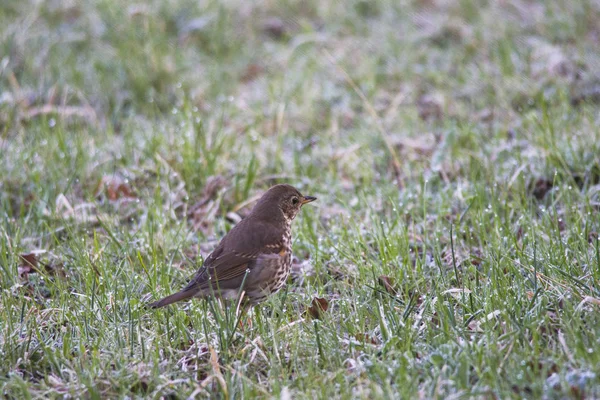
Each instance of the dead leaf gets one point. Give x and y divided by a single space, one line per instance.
115 188
462 257
274 27
541 187
55 269
586 300
424 145
485 115
345 151
457 291
138 10
24 270
337 272
366 338
529 294
387 284
318 306
430 107
253 70
203 217
212 187
28 264
29 259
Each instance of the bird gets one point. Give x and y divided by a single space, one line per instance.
253 260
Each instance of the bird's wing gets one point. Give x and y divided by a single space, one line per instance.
237 253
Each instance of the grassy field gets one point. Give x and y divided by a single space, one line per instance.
454 147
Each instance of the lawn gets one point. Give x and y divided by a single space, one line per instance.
454 147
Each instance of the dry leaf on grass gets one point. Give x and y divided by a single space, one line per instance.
29 263
204 211
588 300
204 216
423 145
82 212
253 70
275 27
115 188
386 282
366 338
431 107
317 308
541 187
457 292
462 256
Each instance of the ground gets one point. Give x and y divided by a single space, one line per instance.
454 147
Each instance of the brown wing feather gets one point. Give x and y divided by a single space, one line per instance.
228 266
237 252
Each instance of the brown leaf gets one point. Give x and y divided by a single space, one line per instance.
529 294
424 145
366 338
336 272
430 107
55 269
203 216
115 188
540 187
462 257
185 344
519 233
275 27
214 185
24 271
387 284
318 306
29 259
253 70
28 264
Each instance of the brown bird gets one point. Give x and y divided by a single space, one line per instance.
254 258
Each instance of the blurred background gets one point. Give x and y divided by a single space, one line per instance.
453 145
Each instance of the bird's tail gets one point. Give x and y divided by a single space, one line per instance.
175 297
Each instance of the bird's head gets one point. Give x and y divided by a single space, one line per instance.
283 199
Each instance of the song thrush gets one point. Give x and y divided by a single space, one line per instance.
254 258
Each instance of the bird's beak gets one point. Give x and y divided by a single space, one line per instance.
308 199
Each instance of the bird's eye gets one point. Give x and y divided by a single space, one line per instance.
295 200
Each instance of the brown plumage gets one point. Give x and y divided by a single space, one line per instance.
254 257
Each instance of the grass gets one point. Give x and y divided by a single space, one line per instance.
454 149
